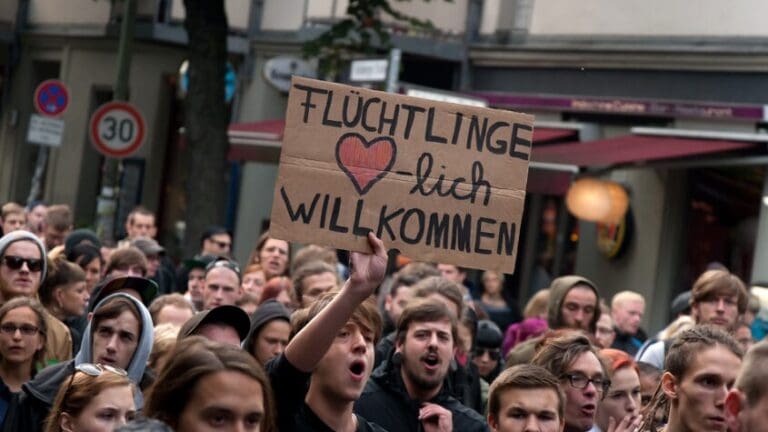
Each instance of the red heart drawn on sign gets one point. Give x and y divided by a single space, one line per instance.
365 162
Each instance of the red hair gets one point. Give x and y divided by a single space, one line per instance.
618 359
273 287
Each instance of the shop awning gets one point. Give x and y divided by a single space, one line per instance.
269 133
633 149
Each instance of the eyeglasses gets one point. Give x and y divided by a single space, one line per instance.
16 262
493 353
25 329
580 381
93 370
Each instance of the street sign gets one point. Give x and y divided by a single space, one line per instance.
51 98
279 70
117 129
45 130
371 70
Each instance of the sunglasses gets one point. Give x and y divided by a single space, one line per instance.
221 244
493 353
93 370
16 262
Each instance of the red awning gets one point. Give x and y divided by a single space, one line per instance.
545 135
632 148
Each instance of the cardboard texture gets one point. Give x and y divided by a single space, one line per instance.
440 182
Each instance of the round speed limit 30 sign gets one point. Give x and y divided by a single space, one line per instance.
117 129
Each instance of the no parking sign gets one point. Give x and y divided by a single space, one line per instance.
117 129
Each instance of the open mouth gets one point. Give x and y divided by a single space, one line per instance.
357 368
588 409
431 360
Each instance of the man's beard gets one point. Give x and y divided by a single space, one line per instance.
424 383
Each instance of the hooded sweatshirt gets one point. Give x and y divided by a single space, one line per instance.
31 406
557 292
268 311
58 340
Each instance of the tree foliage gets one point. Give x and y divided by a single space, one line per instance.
362 31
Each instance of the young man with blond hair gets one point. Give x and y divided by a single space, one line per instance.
627 310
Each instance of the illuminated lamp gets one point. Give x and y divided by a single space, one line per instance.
588 199
597 200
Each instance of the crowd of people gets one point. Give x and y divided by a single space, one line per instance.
96 338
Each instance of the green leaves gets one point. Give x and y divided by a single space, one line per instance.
362 32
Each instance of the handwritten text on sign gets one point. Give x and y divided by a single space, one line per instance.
438 181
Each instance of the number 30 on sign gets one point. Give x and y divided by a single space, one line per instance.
117 129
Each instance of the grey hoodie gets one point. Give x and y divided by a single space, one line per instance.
143 349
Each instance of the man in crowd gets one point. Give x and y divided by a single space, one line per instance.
22 270
12 217
333 352
154 253
526 398
126 261
627 309
270 331
56 225
139 223
226 324
35 212
397 298
582 377
216 241
312 280
222 284
171 308
718 297
574 302
407 392
746 405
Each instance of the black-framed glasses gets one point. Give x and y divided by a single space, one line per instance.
493 353
581 381
16 262
25 329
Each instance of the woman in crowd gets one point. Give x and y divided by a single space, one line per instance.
254 280
534 322
22 346
65 295
96 398
206 382
279 289
700 367
493 303
623 396
89 258
273 254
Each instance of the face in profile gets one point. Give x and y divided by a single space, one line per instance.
523 410
224 400
700 393
110 409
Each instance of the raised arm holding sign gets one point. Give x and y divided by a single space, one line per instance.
438 181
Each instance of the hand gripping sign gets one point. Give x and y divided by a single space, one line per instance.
440 182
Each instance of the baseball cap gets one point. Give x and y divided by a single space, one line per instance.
147 246
225 314
147 289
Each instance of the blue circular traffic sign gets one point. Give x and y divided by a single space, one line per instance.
51 98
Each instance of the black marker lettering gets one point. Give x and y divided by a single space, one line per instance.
519 141
461 233
404 225
307 104
366 107
392 121
351 121
437 230
500 146
506 239
301 211
430 123
384 219
327 121
474 127
479 234
334 226
357 228
412 110
457 128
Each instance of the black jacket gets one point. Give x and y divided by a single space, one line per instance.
628 343
463 383
386 402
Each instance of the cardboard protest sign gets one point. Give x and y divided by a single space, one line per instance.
440 182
